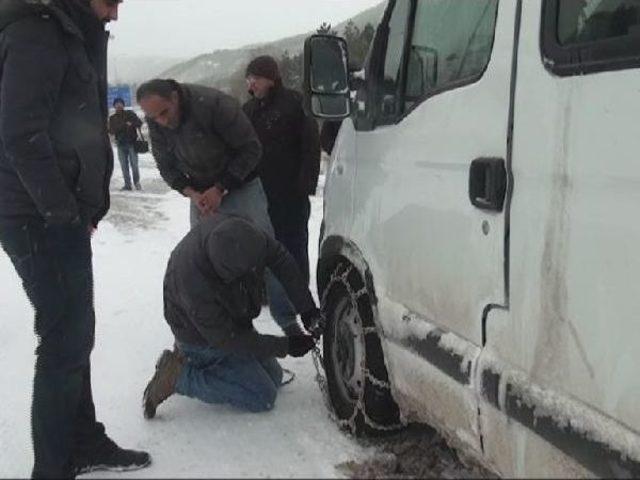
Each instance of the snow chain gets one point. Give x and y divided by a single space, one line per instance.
318 362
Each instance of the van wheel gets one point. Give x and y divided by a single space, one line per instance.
357 377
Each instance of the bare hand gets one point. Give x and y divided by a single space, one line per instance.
194 196
210 201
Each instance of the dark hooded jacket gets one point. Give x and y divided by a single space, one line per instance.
212 287
214 143
55 156
124 126
291 160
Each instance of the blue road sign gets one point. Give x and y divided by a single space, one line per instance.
119 91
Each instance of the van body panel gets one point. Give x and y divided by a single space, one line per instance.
572 319
574 262
515 332
338 190
412 195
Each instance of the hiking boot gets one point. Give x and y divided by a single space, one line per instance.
163 383
138 187
109 457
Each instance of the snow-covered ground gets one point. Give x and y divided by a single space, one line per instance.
188 439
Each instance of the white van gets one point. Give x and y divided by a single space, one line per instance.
479 262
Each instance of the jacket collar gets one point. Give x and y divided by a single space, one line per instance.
185 96
271 96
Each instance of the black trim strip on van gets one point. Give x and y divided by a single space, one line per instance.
450 363
592 454
595 456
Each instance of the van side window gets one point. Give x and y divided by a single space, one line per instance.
587 36
396 39
582 21
451 44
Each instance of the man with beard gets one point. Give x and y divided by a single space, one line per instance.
55 166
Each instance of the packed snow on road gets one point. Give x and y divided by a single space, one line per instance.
187 439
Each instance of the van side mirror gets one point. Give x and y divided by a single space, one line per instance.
326 77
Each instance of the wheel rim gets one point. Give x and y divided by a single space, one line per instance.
348 351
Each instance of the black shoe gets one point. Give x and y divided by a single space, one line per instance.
109 457
126 188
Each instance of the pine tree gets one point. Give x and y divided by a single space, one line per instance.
326 29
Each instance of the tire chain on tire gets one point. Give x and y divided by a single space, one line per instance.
318 362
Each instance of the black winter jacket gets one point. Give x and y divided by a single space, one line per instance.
55 156
212 286
291 145
125 134
214 144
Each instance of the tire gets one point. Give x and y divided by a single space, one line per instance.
357 377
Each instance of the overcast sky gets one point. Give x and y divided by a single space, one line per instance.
185 28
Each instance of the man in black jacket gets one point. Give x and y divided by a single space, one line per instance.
124 125
211 296
290 161
207 150
55 166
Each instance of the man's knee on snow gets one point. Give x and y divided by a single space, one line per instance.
263 401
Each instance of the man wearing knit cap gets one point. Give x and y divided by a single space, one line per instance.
55 166
290 160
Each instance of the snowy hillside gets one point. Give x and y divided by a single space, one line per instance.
134 69
212 67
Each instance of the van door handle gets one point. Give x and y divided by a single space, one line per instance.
488 184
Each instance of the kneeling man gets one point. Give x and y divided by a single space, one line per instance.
212 293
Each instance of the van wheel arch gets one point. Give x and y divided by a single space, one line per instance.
357 377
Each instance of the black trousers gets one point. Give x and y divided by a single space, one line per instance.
55 265
290 219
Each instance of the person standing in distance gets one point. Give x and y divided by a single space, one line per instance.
124 125
56 162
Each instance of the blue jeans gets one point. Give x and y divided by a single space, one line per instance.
129 158
250 203
242 381
54 264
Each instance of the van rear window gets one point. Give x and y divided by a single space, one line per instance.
588 36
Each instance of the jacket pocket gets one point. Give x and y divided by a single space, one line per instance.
69 164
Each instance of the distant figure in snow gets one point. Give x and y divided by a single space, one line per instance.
56 162
211 297
124 125
207 150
